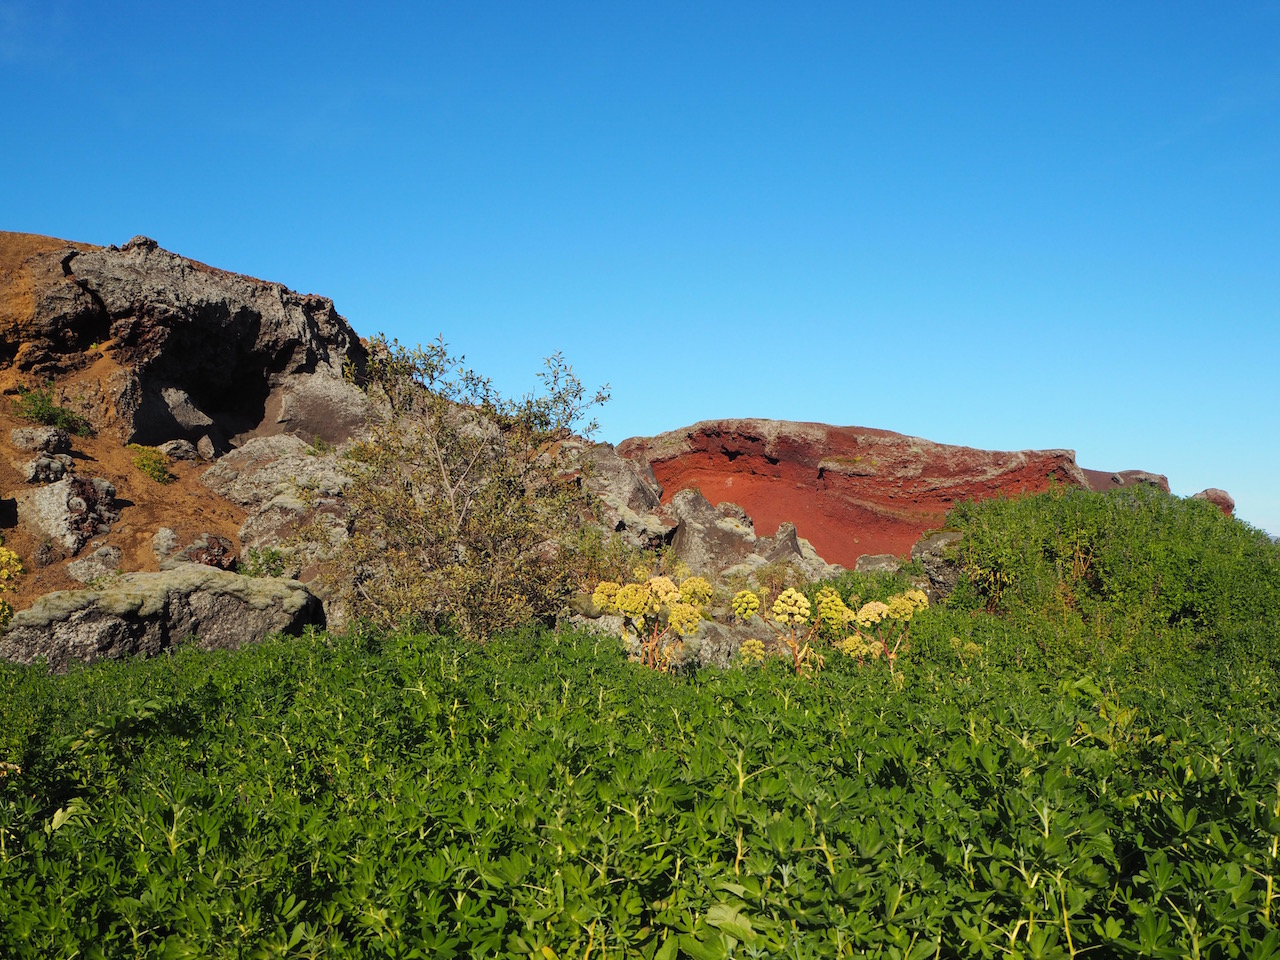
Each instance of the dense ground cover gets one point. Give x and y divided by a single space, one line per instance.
1018 788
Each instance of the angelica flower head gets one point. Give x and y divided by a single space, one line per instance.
664 590
684 618
636 601
871 613
605 593
745 604
696 590
832 612
751 651
792 606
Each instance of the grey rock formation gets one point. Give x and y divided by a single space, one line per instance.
165 543
204 352
147 613
70 512
630 498
47 468
878 563
103 562
936 554
721 541
179 450
284 485
50 440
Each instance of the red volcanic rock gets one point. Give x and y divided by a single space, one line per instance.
1219 498
849 490
1103 480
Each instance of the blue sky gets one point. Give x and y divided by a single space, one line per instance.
1000 225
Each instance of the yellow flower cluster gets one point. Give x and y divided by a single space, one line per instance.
833 615
858 646
685 618
10 567
751 651
792 606
636 600
745 604
871 613
605 593
696 590
664 590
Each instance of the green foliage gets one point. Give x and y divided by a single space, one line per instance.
459 497
152 462
538 796
264 562
37 405
1133 575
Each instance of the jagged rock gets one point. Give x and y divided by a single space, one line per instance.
165 543
50 440
146 613
1219 498
70 512
878 563
936 555
206 448
630 498
721 541
208 549
47 468
179 450
103 562
200 352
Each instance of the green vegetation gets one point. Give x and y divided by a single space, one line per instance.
1077 756
264 562
460 496
152 462
37 405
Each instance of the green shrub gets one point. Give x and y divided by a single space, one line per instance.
152 462
37 405
264 562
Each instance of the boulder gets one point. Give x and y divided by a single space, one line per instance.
630 498
70 512
878 563
1219 498
1103 480
208 549
147 613
936 554
103 562
49 440
47 468
195 352
721 541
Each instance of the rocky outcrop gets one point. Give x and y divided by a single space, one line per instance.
936 554
1102 480
147 613
849 490
721 541
1219 498
630 500
71 512
193 352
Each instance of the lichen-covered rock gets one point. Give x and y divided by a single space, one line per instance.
47 468
878 563
103 562
936 554
147 613
208 549
70 512
50 440
630 499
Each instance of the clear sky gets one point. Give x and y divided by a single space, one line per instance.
1002 225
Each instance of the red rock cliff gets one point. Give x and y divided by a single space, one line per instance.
848 490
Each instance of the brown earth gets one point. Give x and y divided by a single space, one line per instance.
849 490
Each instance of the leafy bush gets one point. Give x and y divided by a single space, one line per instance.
1134 573
264 562
152 462
460 497
37 405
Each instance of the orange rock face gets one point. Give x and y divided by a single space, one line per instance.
849 490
